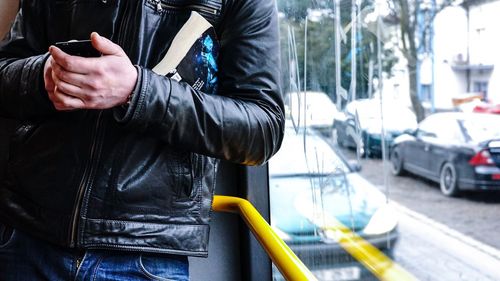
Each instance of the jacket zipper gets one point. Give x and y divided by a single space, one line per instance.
84 182
122 27
160 6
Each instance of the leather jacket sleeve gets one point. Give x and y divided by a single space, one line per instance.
244 123
22 90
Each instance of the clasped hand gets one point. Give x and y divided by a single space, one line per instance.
74 82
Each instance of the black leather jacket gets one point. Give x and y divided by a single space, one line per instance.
137 178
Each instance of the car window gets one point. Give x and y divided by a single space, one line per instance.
425 134
310 108
447 129
305 152
478 127
371 113
451 132
429 127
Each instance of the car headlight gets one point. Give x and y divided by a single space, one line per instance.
281 234
383 220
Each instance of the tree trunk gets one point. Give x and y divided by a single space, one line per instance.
415 101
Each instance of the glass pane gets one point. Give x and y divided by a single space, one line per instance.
392 132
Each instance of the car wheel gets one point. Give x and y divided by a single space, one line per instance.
396 162
448 180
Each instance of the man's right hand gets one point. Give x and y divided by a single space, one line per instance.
47 77
75 82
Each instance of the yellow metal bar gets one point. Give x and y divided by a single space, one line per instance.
285 260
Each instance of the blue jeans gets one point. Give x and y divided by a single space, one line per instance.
23 258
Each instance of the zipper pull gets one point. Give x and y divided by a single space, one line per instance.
158 5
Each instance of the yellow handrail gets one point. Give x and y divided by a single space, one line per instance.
285 260
290 265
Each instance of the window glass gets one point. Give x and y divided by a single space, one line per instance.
363 81
444 128
478 128
450 131
310 157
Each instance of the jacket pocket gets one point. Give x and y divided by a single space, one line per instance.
183 173
22 133
44 161
141 175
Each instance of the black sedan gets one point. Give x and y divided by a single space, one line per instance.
460 151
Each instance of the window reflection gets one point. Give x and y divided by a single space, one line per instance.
366 82
308 189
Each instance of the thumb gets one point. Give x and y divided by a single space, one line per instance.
104 45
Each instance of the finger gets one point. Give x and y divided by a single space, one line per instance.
47 76
105 46
76 79
65 102
65 88
69 89
70 63
55 78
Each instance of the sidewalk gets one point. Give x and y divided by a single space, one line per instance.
433 251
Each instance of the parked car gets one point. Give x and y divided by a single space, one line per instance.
314 178
361 125
460 151
312 109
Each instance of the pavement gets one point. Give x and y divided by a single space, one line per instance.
432 251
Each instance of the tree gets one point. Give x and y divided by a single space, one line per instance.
415 19
311 66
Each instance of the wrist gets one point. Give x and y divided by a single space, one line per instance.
135 89
129 98
135 86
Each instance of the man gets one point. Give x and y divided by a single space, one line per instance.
110 173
